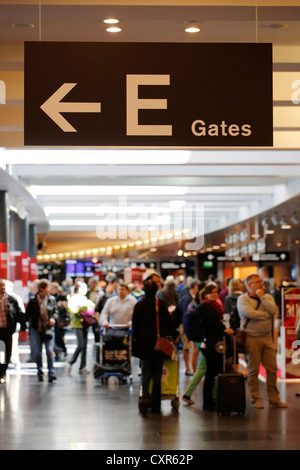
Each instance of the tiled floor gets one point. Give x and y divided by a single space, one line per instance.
79 412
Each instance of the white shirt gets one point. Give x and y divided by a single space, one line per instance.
117 311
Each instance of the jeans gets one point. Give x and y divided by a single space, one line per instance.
38 339
5 347
152 369
82 336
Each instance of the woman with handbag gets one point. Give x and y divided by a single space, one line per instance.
41 311
144 331
211 312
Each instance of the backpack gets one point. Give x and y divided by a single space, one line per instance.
192 325
235 319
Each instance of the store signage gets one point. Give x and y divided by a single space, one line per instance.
216 257
170 266
148 94
271 257
290 316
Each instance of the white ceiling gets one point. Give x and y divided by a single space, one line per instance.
233 185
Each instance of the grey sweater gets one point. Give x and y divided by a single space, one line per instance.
260 315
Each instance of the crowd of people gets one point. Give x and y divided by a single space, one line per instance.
218 311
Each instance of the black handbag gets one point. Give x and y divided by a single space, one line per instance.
49 333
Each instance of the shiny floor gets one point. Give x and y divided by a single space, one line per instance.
79 412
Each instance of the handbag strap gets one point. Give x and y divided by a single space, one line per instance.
157 316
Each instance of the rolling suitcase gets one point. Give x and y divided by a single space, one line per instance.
231 394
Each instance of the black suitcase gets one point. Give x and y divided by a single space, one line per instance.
231 394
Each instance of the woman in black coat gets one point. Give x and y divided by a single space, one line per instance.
211 313
144 333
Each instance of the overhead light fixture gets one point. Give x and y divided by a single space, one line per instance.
274 219
270 232
192 29
108 190
115 157
23 25
113 29
177 203
294 219
284 224
278 25
192 26
109 222
18 208
111 21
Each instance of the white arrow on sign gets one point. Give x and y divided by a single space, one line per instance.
53 107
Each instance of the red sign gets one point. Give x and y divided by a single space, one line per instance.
290 305
15 266
3 261
33 269
25 268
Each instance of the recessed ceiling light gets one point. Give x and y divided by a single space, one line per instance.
192 26
23 25
278 26
113 29
192 29
111 21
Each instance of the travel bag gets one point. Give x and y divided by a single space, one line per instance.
231 393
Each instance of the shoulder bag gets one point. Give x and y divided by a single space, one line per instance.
163 346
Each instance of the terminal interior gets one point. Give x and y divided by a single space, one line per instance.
90 210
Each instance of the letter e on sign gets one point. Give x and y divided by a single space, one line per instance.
134 104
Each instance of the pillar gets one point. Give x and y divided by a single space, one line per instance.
18 250
33 269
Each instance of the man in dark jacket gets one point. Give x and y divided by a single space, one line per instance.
41 311
10 315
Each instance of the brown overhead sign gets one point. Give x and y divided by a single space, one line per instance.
148 94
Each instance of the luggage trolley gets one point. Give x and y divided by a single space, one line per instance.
113 354
169 382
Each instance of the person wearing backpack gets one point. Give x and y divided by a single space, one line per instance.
212 329
193 328
234 291
187 343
